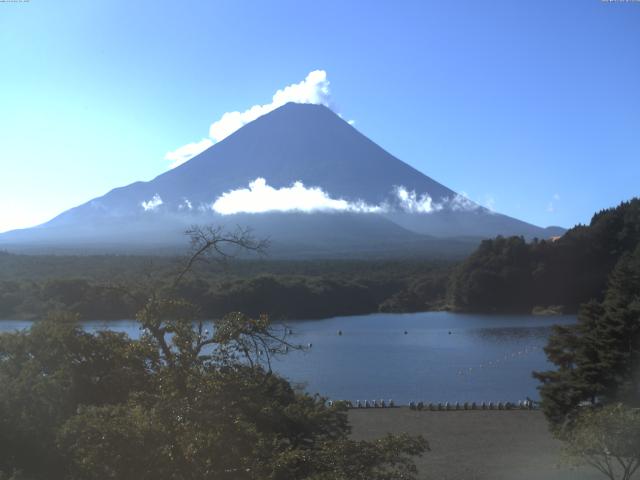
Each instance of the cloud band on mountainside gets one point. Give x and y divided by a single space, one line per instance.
313 89
411 202
260 197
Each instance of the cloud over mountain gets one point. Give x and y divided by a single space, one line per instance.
260 197
152 204
314 89
411 202
187 152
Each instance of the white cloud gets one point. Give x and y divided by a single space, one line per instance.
185 205
261 197
461 202
556 196
152 204
411 202
187 152
489 202
313 89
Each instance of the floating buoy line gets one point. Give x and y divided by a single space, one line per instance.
527 404
497 362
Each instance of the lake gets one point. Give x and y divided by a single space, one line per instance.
443 357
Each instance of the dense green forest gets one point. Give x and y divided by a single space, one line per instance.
114 287
509 274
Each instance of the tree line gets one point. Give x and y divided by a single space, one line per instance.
285 290
502 275
592 397
512 275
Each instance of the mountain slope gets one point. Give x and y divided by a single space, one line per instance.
295 143
307 143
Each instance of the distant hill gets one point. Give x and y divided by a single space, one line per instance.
374 202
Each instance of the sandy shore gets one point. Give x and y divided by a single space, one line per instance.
475 445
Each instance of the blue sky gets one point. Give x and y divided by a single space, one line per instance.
529 107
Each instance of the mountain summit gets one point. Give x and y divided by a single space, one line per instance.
300 164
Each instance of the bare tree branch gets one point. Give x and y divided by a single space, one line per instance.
226 245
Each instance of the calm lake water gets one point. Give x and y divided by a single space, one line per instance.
442 357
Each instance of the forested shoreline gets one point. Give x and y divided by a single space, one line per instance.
512 275
113 287
504 275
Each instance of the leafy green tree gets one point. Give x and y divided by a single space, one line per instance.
46 374
598 359
608 439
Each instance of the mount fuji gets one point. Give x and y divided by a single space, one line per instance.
299 175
